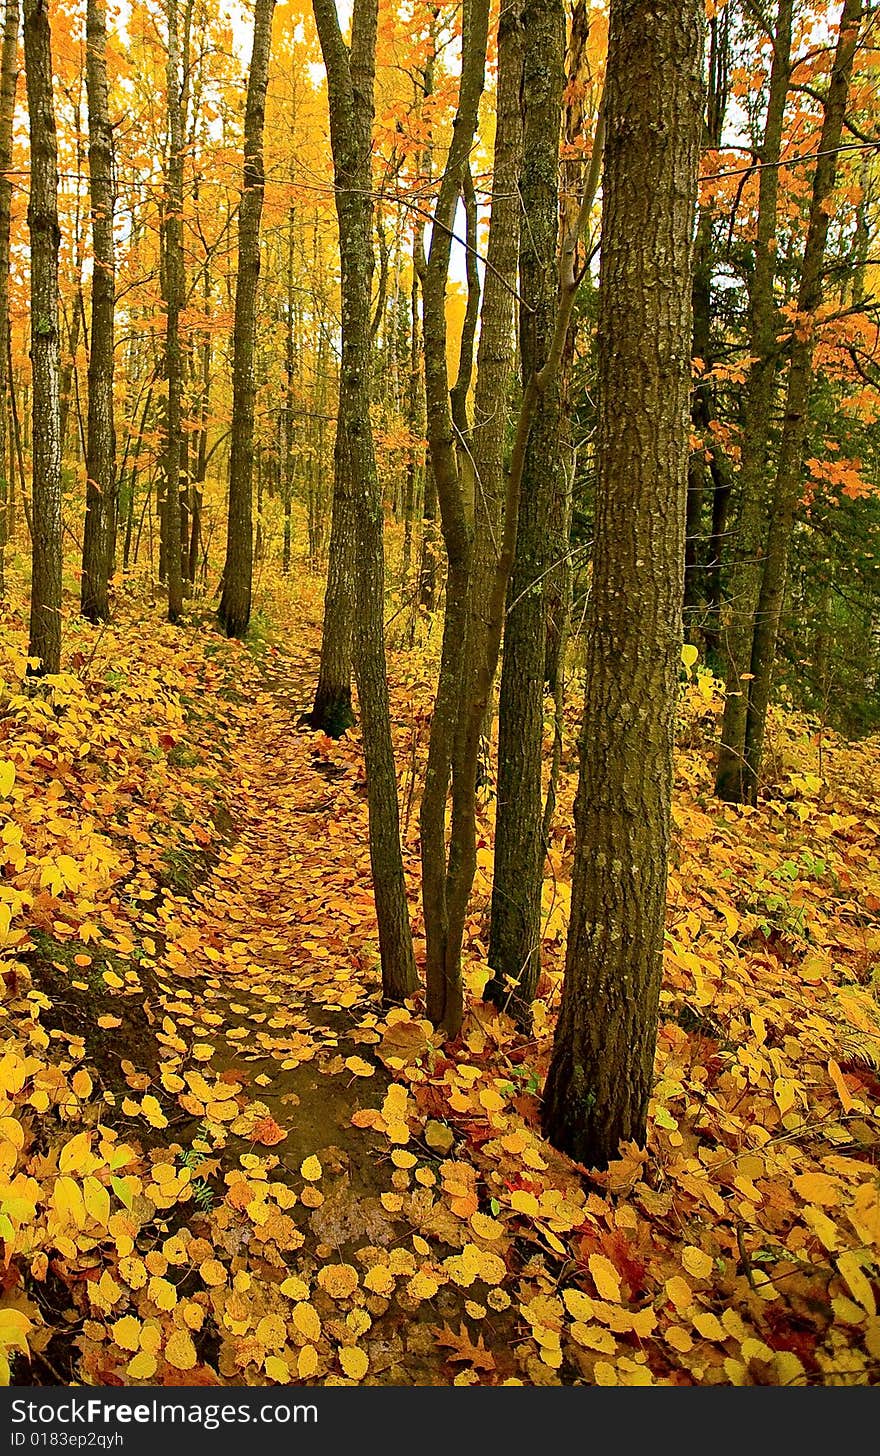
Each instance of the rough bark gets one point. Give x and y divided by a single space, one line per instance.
99 525
515 936
350 86
288 462
415 425
745 573
496 349
8 86
445 435
44 641
702 404
235 603
174 297
787 488
601 1072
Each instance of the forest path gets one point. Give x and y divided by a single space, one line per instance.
282 930
274 958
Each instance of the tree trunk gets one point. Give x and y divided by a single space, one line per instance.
601 1072
415 425
702 403
496 348
45 615
446 435
350 83
515 937
745 575
787 490
288 463
99 526
235 603
174 297
8 85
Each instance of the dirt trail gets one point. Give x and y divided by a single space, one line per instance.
273 962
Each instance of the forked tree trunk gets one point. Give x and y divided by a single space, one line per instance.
44 641
788 487
745 574
99 528
602 1068
235 603
350 83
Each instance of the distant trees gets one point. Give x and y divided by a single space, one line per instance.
601 1073
44 642
235 602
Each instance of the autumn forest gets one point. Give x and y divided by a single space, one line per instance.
439 693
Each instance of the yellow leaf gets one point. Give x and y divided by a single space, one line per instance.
127 1332
485 1227
76 1155
579 1305
212 1272
97 1200
841 1088
354 1362
163 1294
271 1332
277 1369
817 1188
864 1214
422 1286
7 778
710 1327
295 1288
141 1366
359 1067
14 1329
307 1320
180 1352
696 1262
307 1362
338 1280
851 1268
68 1201
525 1202
153 1112
605 1278
311 1169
